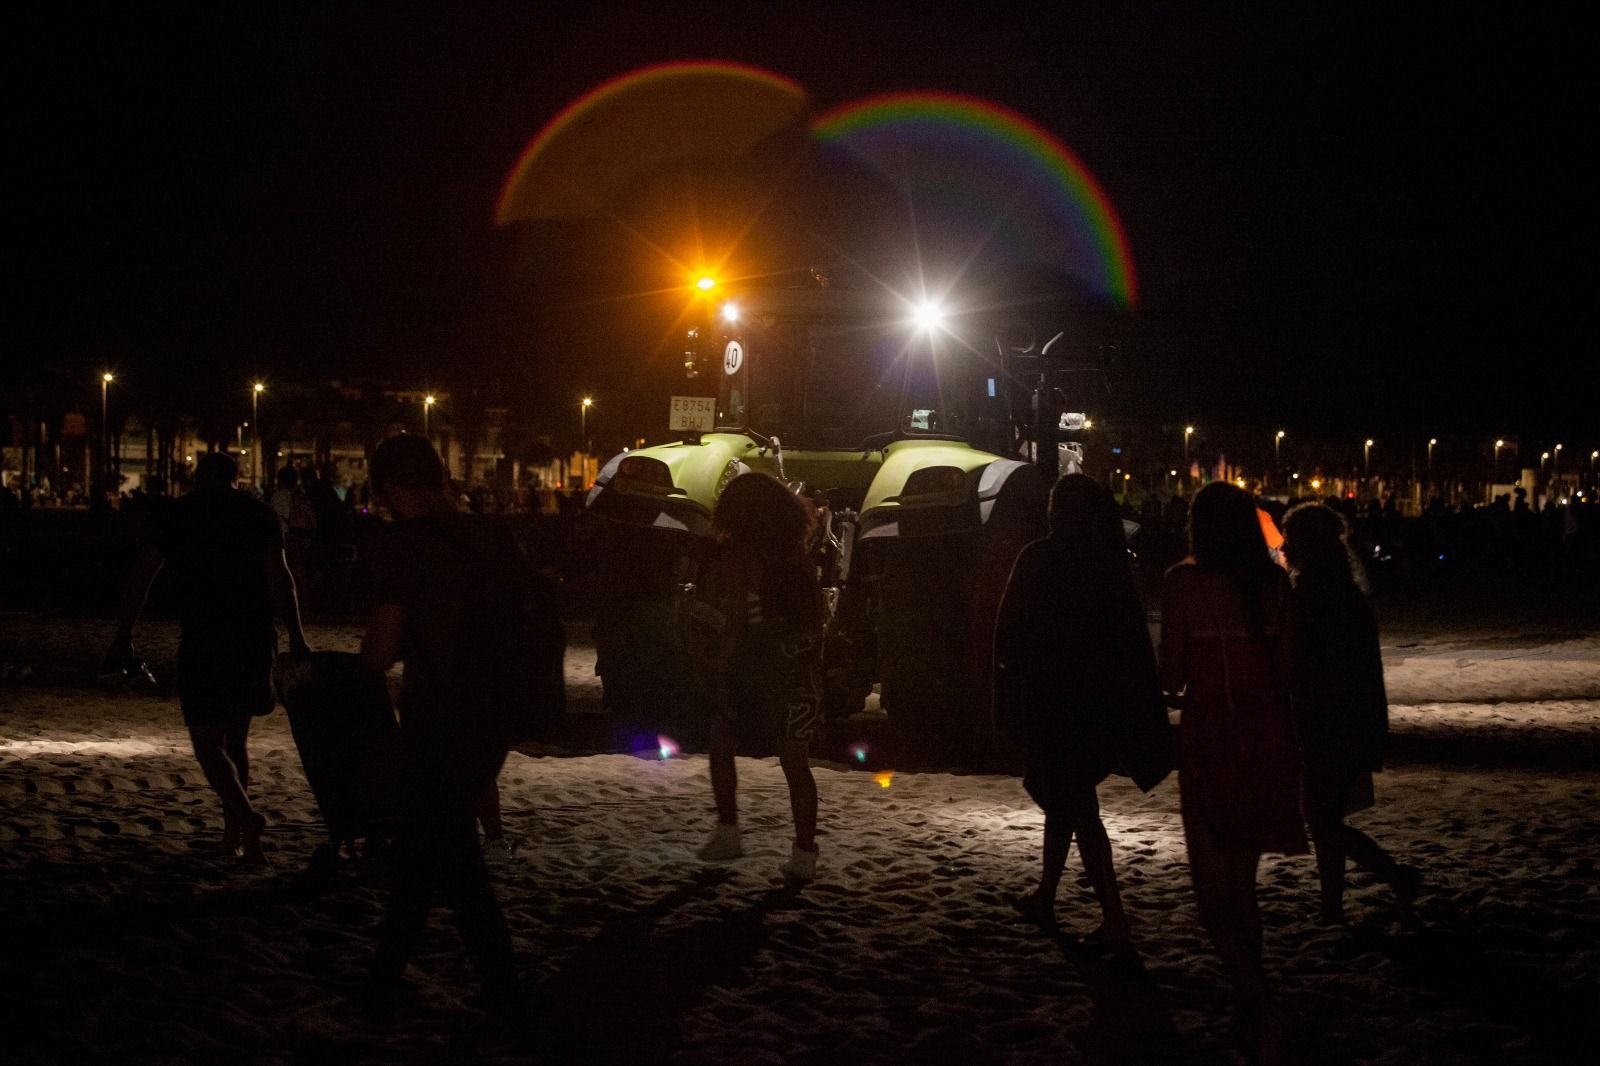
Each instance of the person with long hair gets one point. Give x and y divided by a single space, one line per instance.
1340 708
757 625
1076 683
1225 653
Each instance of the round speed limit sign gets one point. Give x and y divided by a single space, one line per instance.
732 357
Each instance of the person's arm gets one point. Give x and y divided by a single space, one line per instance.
134 592
380 647
1172 657
285 603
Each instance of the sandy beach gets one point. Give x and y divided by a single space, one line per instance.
129 937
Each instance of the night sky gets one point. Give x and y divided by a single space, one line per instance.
1343 218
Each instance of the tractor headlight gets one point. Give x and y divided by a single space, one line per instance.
934 485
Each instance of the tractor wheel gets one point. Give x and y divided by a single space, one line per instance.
922 645
941 597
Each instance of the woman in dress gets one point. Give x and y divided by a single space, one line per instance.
1340 708
1077 685
756 627
1225 653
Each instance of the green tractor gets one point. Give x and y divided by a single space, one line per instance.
927 447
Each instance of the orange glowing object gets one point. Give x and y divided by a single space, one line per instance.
1269 530
884 778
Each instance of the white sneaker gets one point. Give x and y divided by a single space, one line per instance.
498 852
724 844
802 865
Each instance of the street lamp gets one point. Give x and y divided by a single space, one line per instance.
583 432
1555 465
1277 445
1188 431
1366 458
105 429
1498 444
427 405
255 416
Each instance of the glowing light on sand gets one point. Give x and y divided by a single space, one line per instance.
884 778
667 746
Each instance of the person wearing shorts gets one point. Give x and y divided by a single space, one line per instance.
756 633
223 550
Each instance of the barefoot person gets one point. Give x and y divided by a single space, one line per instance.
1340 709
1225 647
1077 684
223 551
758 629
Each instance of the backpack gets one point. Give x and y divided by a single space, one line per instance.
506 666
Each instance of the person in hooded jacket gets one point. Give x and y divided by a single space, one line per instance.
1077 685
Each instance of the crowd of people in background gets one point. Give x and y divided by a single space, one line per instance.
1512 537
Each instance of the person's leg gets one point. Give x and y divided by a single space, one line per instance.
488 811
463 880
724 776
794 758
1039 905
242 825
1323 795
1371 856
1057 842
410 895
1094 848
1217 875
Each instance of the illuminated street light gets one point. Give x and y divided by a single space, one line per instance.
1366 458
427 405
706 283
105 429
255 416
1277 445
1555 465
1188 431
929 315
730 312
583 431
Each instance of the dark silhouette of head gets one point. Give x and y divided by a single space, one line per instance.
1224 532
216 470
1225 536
1083 513
288 477
1315 542
407 461
758 511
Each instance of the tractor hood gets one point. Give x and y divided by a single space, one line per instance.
934 486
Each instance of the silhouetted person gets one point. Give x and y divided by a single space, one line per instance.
224 552
757 625
423 565
1340 709
299 524
1225 649
1076 681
